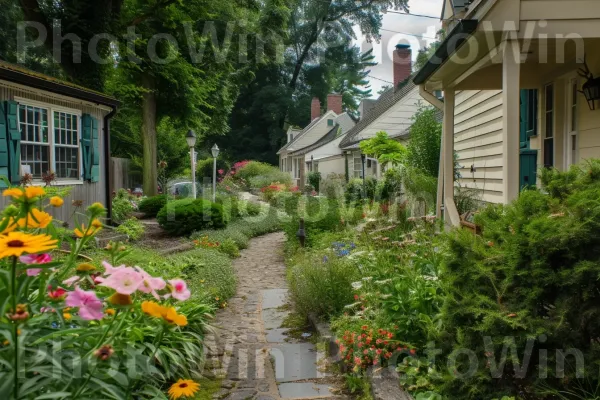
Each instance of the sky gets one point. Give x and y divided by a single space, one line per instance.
382 74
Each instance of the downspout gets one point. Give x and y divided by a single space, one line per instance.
109 188
437 103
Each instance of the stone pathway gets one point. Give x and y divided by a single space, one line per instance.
249 349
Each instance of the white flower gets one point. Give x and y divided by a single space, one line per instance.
356 285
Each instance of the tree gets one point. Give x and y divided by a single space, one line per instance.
383 148
425 140
425 53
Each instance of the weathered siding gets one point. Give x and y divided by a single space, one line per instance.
478 141
333 165
87 192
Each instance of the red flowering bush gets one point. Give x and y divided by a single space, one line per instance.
268 192
369 347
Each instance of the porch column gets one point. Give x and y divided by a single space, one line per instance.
302 175
511 86
451 216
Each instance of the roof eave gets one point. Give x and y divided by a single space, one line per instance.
55 87
457 37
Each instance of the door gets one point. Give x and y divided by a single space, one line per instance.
528 128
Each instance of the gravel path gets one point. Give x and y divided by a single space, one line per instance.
249 345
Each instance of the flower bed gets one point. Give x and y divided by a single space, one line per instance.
89 330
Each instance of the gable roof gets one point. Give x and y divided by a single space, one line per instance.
329 137
26 77
305 130
384 103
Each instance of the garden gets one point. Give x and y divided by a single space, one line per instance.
508 314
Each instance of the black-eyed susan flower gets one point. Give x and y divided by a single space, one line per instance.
17 243
183 388
36 219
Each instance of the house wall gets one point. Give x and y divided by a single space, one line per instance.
478 142
87 192
589 120
333 165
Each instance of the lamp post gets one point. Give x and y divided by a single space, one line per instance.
191 141
215 152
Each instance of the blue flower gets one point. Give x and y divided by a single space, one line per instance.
325 259
343 253
352 245
55 325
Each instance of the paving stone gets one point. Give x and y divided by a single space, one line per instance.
294 361
277 335
264 397
274 298
304 390
246 394
273 318
263 387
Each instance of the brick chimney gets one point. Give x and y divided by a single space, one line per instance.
315 109
402 63
334 103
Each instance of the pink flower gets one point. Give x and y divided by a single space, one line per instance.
71 280
179 289
125 280
221 172
90 306
33 271
150 284
57 294
47 310
109 269
29 259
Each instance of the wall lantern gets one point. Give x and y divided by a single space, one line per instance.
591 88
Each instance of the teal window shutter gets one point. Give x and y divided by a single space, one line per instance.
3 148
13 135
523 114
95 172
86 146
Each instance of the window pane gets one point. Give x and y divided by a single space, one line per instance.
549 98
36 157
574 108
548 152
549 124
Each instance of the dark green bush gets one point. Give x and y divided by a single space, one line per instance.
320 215
390 186
182 217
204 168
152 205
314 179
533 273
358 190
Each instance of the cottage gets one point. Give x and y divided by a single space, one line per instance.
516 75
52 126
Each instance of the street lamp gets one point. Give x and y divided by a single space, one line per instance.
191 141
215 152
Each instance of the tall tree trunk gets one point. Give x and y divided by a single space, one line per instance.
149 135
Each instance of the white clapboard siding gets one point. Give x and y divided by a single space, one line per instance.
87 192
478 142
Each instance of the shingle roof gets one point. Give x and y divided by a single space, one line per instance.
27 77
384 103
306 129
329 137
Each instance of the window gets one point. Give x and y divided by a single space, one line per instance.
329 122
358 165
573 157
41 151
549 130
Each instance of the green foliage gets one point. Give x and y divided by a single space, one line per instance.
533 272
319 214
358 190
466 199
123 204
150 206
204 168
423 152
314 180
132 228
182 217
321 286
257 175
390 187
386 150
333 186
236 208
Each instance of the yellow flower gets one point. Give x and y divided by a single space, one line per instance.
173 318
85 267
183 388
98 205
84 231
67 316
10 226
96 223
153 309
37 219
17 243
119 299
56 201
110 311
15 193
34 191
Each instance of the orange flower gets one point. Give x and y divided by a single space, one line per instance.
80 233
36 219
173 318
56 201
15 193
34 191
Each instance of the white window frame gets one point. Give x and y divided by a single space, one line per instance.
545 113
572 137
51 108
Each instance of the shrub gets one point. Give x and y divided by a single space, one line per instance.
534 271
358 190
314 179
236 208
123 205
132 228
390 187
269 192
150 206
204 168
258 175
182 217
229 247
319 214
333 186
321 285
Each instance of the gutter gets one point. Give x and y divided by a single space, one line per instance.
109 186
457 37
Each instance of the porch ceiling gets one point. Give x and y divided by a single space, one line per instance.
476 66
